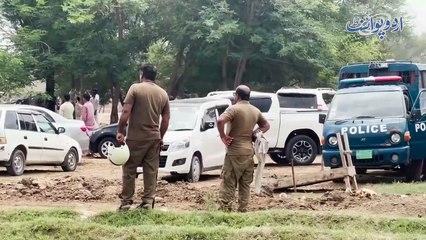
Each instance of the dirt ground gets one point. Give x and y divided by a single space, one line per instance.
95 186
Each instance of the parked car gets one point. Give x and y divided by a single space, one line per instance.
73 128
102 138
294 134
191 144
29 138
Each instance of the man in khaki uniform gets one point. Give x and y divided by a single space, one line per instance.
238 167
144 104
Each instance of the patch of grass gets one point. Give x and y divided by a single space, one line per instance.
266 218
207 225
27 215
400 188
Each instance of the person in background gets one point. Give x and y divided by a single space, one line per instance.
88 113
66 109
95 102
77 108
58 103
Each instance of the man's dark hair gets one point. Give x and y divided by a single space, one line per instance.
244 95
78 99
148 71
94 90
67 97
86 96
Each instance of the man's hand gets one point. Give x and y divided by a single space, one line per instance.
161 144
120 138
227 140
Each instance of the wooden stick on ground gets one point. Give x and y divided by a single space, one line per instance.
294 177
349 157
343 159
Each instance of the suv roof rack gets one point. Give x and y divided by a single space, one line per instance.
325 89
386 61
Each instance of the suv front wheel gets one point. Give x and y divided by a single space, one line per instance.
302 149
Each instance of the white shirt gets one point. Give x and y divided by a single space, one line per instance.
66 110
95 102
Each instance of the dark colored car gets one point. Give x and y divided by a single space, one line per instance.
102 138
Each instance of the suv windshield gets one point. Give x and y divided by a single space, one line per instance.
367 105
182 118
298 100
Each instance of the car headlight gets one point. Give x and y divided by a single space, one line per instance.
332 140
179 145
395 138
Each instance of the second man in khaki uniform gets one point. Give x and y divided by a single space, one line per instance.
144 104
238 167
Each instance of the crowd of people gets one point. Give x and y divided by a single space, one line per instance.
85 108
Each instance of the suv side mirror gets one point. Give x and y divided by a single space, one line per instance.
61 130
416 115
321 118
208 125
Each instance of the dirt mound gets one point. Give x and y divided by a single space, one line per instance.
67 188
188 196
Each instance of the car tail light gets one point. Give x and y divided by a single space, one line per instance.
323 141
84 129
3 140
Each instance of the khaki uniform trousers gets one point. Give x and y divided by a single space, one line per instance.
147 155
237 170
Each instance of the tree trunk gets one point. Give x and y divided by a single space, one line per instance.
178 71
241 68
115 97
116 85
225 71
50 90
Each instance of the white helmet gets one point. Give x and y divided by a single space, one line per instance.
118 155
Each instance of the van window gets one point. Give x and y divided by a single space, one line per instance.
221 109
210 116
11 121
422 83
298 100
26 121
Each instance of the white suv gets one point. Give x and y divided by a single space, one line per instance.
29 138
305 98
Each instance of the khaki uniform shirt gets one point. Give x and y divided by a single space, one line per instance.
243 117
149 102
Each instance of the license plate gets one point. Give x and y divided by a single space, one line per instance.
364 154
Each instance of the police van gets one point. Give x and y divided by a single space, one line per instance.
385 127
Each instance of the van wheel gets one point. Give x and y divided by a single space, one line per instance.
302 149
195 171
17 163
70 161
279 158
413 171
